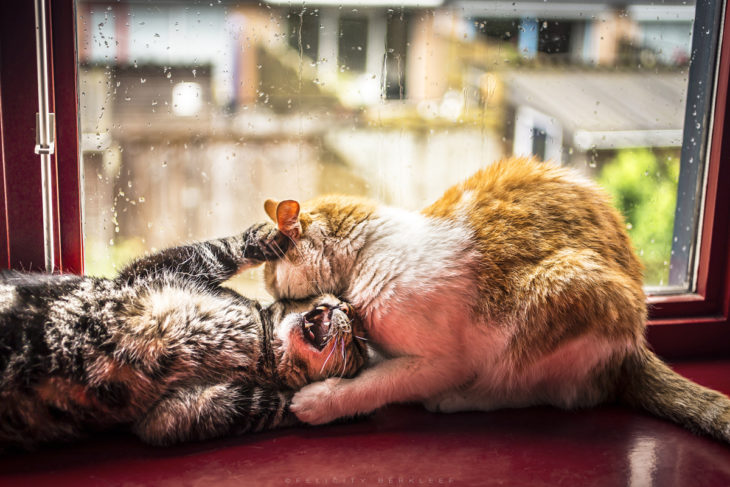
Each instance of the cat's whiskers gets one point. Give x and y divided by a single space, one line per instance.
344 358
281 251
317 287
295 245
328 358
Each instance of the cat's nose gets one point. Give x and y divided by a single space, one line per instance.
341 320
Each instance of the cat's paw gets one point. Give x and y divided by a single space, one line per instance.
432 405
264 242
315 403
448 403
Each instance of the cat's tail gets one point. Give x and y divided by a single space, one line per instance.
649 384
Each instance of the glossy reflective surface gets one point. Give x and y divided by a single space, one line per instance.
405 445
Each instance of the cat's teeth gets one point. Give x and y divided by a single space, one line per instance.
308 325
321 308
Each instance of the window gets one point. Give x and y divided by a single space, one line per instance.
602 90
555 37
304 32
353 44
396 45
192 113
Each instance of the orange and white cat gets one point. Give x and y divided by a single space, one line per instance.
518 287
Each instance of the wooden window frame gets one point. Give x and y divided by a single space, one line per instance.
684 325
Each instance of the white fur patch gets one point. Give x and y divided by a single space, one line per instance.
467 198
409 258
286 328
7 297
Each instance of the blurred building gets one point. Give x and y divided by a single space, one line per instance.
564 115
599 33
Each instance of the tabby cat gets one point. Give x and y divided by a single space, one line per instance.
163 348
518 287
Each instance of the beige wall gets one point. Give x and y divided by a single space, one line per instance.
610 29
426 76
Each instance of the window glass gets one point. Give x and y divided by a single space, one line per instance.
352 47
193 113
304 31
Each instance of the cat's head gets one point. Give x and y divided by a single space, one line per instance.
326 234
319 338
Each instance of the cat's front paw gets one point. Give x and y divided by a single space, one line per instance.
264 242
315 403
447 403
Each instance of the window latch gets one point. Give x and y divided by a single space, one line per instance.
48 146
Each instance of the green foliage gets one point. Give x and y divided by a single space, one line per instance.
643 184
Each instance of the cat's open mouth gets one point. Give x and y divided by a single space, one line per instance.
316 326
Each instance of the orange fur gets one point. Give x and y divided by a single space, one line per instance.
545 243
519 286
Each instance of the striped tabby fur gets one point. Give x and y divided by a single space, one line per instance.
162 349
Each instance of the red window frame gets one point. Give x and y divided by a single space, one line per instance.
696 324
21 213
692 324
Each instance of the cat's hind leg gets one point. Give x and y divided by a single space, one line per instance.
578 315
204 411
574 294
582 372
575 317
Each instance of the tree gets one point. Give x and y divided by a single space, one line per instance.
643 184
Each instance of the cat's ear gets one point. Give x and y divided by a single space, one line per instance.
287 218
270 208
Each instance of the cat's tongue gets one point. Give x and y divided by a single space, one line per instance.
316 326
